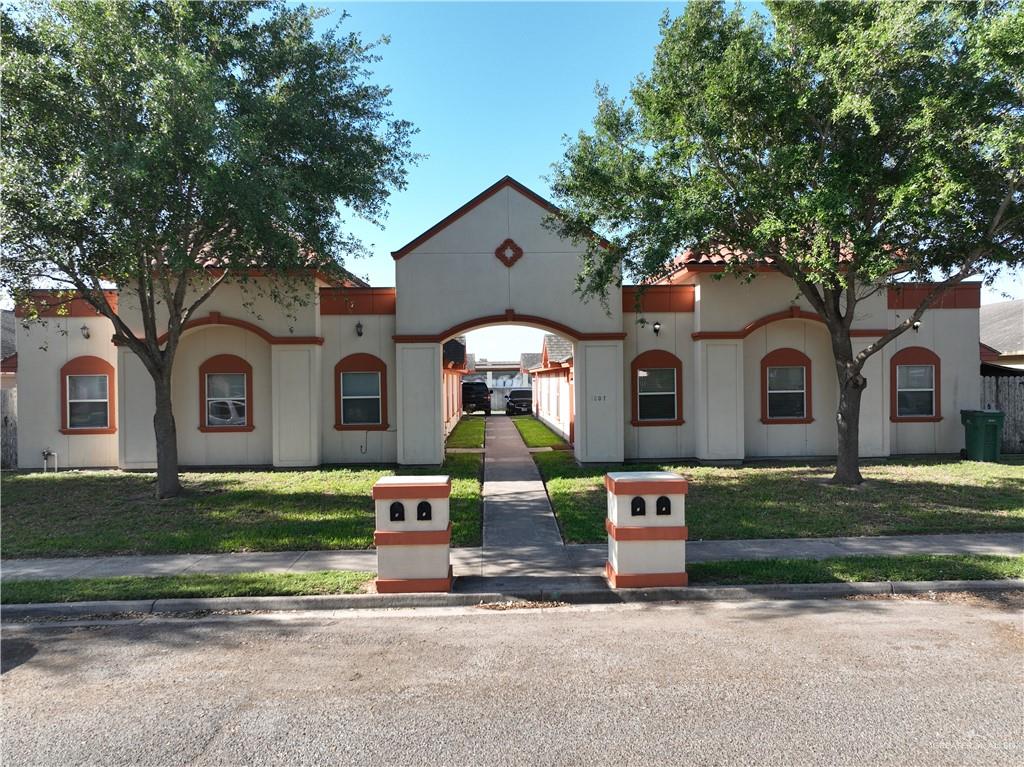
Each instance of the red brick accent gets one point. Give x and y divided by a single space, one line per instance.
636 533
643 580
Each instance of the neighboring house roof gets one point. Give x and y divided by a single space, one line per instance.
559 349
470 362
8 339
1002 326
529 360
497 365
454 352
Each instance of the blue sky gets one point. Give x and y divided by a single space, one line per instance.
493 88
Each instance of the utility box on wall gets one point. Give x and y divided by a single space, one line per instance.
646 527
413 534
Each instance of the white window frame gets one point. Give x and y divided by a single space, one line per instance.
904 388
640 373
208 399
769 391
377 396
105 400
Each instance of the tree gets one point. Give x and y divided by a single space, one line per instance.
845 144
167 147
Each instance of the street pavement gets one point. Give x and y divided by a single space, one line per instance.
839 682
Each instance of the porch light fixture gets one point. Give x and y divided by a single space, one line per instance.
359 329
917 325
657 327
85 331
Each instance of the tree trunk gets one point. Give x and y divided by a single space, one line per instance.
167 484
851 387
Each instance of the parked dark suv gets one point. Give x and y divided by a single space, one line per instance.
476 396
519 402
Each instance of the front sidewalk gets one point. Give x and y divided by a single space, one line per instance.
585 560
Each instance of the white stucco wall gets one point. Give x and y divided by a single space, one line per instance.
43 349
551 402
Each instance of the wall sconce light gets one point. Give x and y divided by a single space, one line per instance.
917 325
85 331
359 329
657 327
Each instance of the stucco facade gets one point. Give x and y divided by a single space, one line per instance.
690 369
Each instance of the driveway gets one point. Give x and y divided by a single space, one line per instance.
786 683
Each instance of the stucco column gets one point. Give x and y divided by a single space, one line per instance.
295 387
136 442
719 406
418 404
599 402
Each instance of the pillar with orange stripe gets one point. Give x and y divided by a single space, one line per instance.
413 534
646 527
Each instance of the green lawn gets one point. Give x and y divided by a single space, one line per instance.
184 586
536 434
857 569
111 512
933 495
468 432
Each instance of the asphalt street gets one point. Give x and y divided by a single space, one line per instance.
843 682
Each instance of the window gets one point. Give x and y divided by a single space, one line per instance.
225 394
360 398
786 390
87 396
914 389
657 389
786 387
361 393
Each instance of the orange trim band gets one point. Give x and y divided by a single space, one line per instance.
643 580
357 301
678 486
412 537
411 490
658 298
910 295
216 318
633 533
793 313
414 585
512 316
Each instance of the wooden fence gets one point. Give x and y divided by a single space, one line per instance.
8 428
1006 393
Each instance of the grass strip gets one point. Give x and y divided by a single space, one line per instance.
914 567
190 586
536 434
468 432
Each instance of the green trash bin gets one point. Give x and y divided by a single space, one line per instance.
983 433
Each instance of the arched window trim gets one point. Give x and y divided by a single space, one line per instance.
915 355
225 363
655 358
787 357
361 363
88 365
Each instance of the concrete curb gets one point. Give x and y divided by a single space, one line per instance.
591 596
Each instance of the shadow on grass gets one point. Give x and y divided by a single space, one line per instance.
899 497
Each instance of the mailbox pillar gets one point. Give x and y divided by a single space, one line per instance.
646 527
413 534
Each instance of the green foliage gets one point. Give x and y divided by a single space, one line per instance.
146 138
191 586
899 497
536 434
468 432
110 512
844 140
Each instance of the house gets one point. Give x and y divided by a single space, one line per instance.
693 367
1002 338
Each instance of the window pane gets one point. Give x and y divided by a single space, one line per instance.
657 380
657 407
914 376
225 412
913 403
785 405
354 411
360 384
225 385
87 415
786 379
87 387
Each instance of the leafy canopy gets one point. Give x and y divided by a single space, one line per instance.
845 140
147 138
